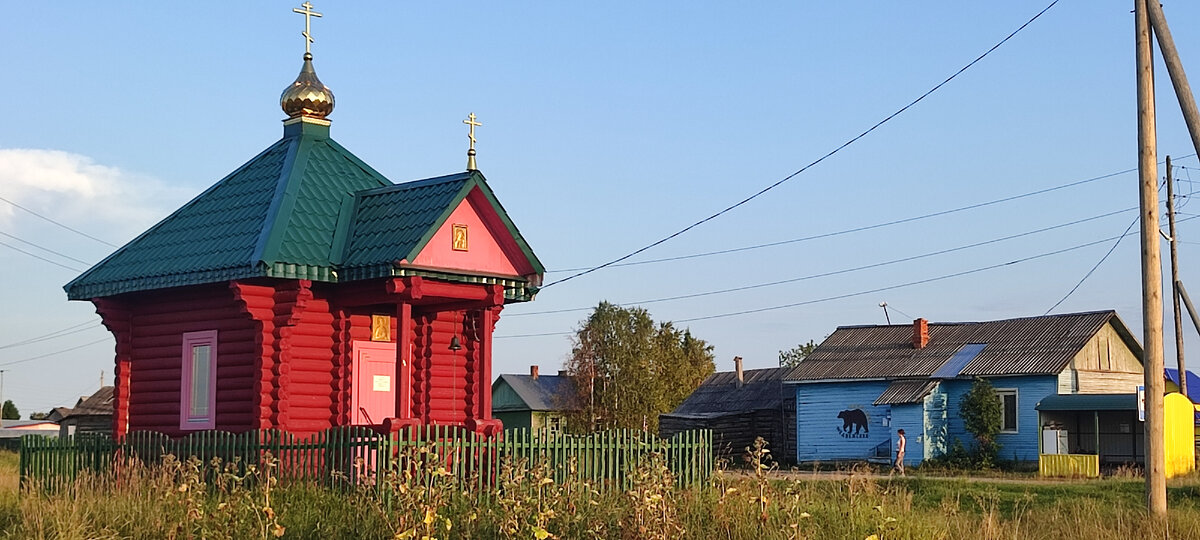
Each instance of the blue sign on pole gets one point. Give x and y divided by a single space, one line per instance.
1141 400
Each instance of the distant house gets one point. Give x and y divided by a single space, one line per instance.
865 382
739 406
16 428
91 414
533 401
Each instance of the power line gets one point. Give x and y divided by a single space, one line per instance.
1102 259
871 291
76 231
74 329
1097 265
818 160
897 310
533 335
893 287
844 270
47 250
36 256
40 356
867 227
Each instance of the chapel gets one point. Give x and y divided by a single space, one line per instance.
305 291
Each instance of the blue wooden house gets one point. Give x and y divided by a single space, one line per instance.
865 382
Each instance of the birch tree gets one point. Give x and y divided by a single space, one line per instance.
628 369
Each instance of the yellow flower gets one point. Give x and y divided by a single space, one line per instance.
429 515
805 515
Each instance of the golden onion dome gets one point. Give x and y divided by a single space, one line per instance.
307 96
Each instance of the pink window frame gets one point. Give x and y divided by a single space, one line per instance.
190 340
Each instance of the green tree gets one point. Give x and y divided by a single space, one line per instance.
10 411
793 356
38 416
981 410
628 369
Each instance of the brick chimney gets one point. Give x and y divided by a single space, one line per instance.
737 366
533 372
920 337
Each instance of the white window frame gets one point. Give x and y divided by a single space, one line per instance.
188 375
1001 392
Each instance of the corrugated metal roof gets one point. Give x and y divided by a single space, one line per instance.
719 393
906 391
546 393
1031 345
98 404
1193 381
1088 402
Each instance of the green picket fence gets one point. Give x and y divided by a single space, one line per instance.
359 455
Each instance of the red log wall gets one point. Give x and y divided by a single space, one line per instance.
149 328
284 355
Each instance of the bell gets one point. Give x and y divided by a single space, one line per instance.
454 344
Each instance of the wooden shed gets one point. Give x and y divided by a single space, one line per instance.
305 290
739 406
91 414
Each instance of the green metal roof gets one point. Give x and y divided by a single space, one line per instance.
396 222
301 209
1088 402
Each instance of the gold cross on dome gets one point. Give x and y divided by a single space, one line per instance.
308 14
470 121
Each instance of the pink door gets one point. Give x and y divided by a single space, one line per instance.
373 394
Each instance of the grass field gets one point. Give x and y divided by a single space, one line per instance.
181 501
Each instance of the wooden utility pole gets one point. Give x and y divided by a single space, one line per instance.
1183 91
1175 282
1152 307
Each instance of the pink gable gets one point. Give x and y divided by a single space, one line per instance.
489 248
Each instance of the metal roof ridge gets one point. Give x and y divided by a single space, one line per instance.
286 183
154 228
411 184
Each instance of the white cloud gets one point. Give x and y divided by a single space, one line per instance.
107 202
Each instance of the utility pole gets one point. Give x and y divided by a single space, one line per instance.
1152 307
885 313
1183 91
1175 282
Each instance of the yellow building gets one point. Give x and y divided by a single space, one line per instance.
1081 432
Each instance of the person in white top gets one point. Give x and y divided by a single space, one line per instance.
901 442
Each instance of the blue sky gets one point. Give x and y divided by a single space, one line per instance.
608 126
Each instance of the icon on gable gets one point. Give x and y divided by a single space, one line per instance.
458 241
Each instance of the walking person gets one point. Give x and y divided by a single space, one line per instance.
901 443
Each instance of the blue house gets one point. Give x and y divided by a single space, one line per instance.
865 382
